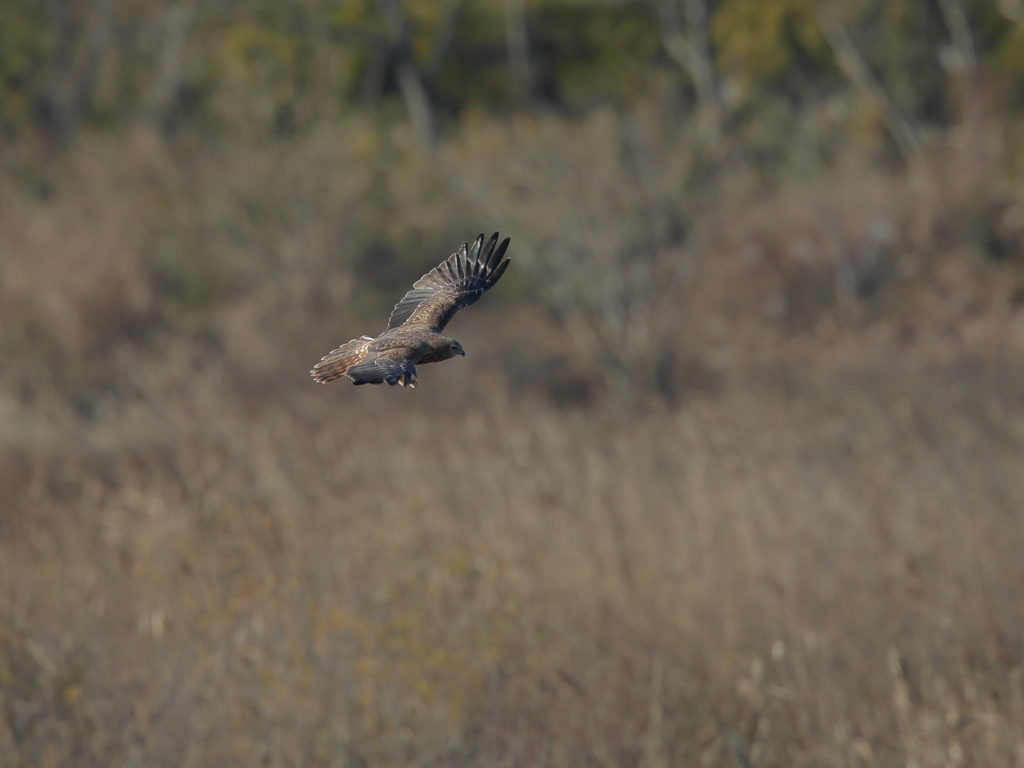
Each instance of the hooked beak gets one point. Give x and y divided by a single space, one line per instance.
462 352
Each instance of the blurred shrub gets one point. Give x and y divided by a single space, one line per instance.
771 44
24 49
252 64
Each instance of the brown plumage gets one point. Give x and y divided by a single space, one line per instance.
413 335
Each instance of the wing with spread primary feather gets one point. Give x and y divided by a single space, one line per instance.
452 285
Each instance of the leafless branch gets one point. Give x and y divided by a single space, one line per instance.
690 51
172 34
1012 9
409 76
517 43
857 71
443 36
960 32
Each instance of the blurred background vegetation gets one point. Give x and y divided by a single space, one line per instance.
732 474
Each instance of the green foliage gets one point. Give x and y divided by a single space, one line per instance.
903 42
586 54
769 43
278 67
257 67
24 46
1007 58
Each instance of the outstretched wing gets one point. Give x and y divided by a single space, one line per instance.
455 283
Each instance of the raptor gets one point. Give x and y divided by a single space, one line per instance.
413 336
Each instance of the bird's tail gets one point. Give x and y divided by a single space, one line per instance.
334 365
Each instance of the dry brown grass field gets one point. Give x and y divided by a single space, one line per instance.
744 490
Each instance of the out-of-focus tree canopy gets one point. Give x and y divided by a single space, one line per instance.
263 66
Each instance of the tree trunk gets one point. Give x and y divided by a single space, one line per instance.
408 75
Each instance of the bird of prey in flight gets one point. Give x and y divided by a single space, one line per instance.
414 333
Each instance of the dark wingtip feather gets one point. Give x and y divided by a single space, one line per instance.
488 249
498 272
499 252
460 280
474 253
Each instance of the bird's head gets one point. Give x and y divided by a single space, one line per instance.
456 348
